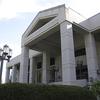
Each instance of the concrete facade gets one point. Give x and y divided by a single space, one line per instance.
59 47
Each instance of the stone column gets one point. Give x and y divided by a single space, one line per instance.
7 75
67 53
14 73
44 68
32 70
91 56
24 65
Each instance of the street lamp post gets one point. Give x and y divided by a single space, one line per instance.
5 54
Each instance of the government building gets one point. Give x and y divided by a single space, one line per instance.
60 46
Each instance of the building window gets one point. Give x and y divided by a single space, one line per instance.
39 65
81 72
52 61
28 70
39 73
80 52
52 70
39 76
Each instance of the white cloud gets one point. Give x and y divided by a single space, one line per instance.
8 9
11 8
86 7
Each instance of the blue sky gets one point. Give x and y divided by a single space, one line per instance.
16 15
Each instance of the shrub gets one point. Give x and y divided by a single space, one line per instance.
96 88
43 92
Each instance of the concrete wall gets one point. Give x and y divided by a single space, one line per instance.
17 59
73 16
92 23
14 61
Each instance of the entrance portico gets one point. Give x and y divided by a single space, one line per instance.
58 48
50 48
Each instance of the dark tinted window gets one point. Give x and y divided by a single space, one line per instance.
81 72
52 61
80 52
39 65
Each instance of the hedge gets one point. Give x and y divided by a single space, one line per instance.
96 88
43 92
